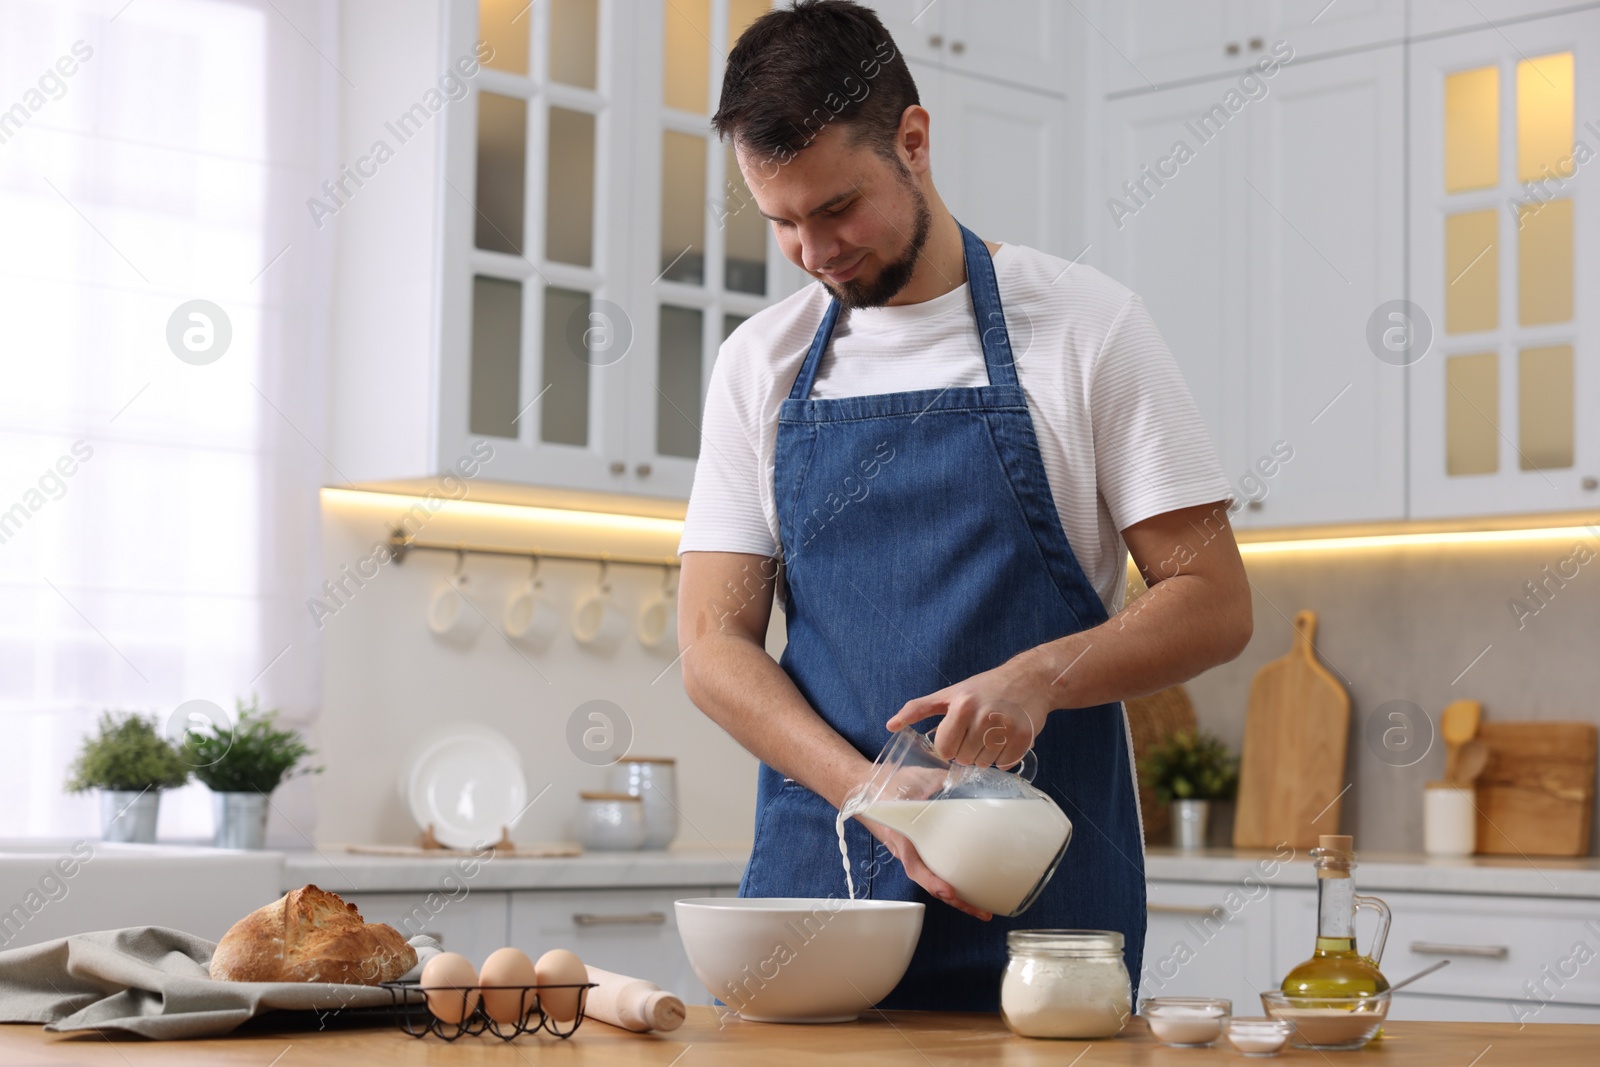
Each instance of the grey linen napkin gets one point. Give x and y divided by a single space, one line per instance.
153 981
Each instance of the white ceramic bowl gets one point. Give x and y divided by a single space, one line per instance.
799 959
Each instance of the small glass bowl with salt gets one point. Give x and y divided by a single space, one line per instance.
1257 1036
1186 1022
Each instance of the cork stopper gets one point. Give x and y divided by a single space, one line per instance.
1334 855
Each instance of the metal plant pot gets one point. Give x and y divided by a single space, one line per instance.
1189 822
241 819
129 816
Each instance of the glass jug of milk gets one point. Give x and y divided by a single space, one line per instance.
989 833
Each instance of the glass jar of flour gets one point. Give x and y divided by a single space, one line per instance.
1065 983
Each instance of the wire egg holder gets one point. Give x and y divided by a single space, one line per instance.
409 1001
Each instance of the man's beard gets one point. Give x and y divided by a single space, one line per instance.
897 274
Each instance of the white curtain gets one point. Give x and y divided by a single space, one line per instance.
158 516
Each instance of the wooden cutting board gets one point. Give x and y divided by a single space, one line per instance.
1291 775
1536 795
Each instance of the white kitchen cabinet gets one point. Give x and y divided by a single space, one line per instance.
1208 940
581 346
1443 16
1001 159
1149 44
1020 42
1174 241
473 923
1500 949
1325 234
629 931
1262 233
1504 242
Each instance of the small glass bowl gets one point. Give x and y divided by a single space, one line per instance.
1328 1024
1257 1036
1186 1022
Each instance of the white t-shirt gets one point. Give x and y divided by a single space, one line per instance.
1119 433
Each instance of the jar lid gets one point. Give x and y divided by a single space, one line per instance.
1065 942
607 796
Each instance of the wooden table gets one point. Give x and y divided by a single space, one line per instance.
912 1039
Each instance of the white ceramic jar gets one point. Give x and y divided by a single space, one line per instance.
610 822
1449 819
654 780
1065 983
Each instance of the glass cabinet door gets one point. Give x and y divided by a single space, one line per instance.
597 246
1503 408
708 246
531 282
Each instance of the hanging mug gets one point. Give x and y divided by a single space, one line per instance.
657 624
596 621
452 616
529 615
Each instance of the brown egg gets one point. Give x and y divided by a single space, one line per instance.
449 981
560 967
508 966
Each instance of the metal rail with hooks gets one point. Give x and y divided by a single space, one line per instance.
400 544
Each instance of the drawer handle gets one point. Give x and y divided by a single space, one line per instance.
643 918
1434 948
1180 909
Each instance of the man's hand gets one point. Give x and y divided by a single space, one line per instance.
903 850
990 719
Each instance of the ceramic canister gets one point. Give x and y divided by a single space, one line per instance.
654 781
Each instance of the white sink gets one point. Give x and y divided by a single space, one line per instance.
52 888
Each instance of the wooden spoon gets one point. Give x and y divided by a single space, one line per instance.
1474 757
1458 725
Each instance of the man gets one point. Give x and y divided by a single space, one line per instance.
948 443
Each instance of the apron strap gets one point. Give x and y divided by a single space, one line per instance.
986 310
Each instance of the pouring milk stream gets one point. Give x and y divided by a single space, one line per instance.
991 834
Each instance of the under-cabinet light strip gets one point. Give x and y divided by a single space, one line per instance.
1420 540
674 527
587 520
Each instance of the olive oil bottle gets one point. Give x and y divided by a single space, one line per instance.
1337 968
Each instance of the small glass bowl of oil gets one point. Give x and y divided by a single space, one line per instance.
1328 1023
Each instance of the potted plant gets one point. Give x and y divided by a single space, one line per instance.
242 764
130 763
1189 770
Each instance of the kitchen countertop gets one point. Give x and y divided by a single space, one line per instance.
332 868
911 1039
1538 876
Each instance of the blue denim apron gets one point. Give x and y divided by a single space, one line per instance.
922 546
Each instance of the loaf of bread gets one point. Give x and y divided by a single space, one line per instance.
310 935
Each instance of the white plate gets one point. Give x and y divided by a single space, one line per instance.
468 786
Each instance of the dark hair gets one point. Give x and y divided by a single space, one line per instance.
796 71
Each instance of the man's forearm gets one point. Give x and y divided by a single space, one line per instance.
743 690
1179 628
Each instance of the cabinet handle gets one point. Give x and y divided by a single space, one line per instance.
1256 44
619 468
1254 505
1232 49
958 47
1183 909
1434 948
643 918
1590 482
936 41
642 470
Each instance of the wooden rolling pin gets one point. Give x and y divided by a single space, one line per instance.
632 1003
